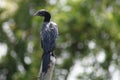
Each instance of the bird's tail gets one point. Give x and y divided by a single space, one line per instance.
45 61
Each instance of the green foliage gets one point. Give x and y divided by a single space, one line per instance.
86 27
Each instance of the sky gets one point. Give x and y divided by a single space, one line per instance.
3 50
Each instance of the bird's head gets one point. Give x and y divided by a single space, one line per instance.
43 13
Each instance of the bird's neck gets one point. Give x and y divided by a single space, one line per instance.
47 18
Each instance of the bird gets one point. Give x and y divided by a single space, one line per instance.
49 34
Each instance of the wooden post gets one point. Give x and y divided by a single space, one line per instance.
49 73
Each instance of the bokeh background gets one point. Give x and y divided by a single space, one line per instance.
88 47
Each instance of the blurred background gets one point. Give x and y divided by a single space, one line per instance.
88 47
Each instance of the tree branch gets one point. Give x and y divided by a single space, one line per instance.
48 74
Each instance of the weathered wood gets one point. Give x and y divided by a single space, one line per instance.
49 73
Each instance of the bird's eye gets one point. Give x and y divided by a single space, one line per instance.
43 13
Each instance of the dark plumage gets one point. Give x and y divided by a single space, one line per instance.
49 33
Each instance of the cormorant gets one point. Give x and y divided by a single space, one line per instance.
49 33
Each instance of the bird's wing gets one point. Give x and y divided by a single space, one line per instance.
48 37
53 34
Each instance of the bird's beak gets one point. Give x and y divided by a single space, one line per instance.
35 14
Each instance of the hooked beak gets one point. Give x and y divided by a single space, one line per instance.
37 14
